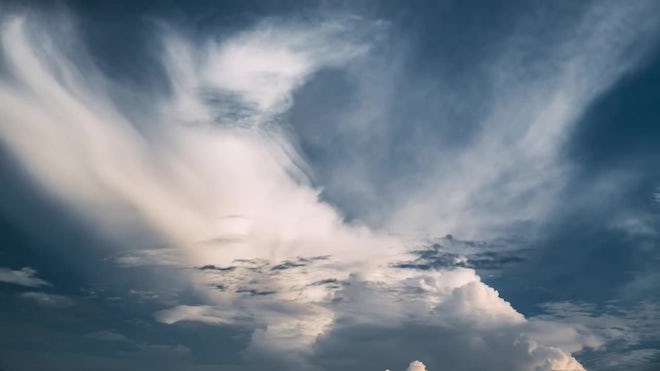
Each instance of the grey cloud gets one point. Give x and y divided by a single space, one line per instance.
440 348
480 255
48 300
527 92
106 335
204 314
645 359
25 277
619 336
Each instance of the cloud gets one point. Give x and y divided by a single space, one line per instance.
181 181
641 359
202 313
25 277
107 335
48 300
215 176
617 335
480 150
416 366
448 313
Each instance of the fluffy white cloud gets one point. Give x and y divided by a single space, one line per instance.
416 366
25 277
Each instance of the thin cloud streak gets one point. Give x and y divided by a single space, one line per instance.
24 277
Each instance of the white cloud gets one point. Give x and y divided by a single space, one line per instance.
265 65
201 313
416 366
25 277
635 359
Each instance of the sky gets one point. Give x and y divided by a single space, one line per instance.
330 185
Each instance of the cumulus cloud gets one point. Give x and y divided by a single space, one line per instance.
506 164
25 277
416 366
215 176
616 334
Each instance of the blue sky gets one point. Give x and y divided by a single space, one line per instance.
329 185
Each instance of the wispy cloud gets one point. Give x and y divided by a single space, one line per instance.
416 366
48 300
619 336
24 277
403 167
